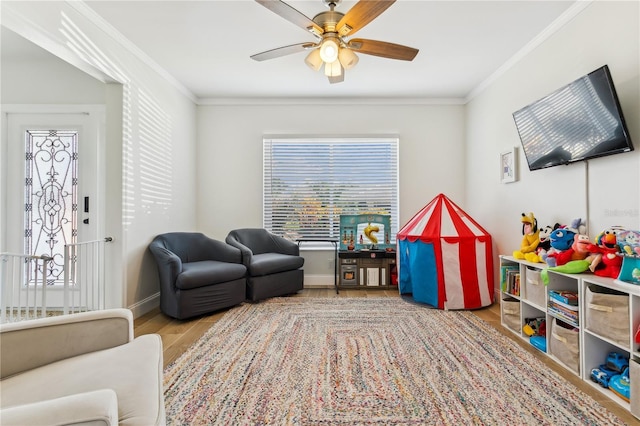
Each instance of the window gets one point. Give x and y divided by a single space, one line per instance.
310 182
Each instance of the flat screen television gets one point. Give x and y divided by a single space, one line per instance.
579 121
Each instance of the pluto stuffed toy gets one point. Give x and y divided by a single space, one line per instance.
540 255
530 236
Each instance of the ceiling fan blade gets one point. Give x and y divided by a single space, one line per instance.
282 51
361 14
383 49
292 15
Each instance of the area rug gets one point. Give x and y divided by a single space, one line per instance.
365 361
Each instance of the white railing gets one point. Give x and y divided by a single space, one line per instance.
84 283
23 286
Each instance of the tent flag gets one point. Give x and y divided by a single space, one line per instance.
445 258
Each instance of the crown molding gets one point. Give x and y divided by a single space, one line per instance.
573 11
82 8
328 101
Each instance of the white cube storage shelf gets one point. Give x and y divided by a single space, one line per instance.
608 317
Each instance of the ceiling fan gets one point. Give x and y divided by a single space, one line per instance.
334 48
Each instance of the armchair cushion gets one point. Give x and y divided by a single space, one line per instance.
48 340
252 241
272 263
208 272
99 408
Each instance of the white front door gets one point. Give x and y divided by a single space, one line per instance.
51 190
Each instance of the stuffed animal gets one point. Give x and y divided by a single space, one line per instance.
579 250
544 246
530 233
561 240
571 267
607 261
629 242
578 226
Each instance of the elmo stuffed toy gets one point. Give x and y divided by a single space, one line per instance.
607 261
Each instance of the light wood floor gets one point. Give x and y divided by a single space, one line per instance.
178 336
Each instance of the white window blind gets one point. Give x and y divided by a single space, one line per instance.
310 182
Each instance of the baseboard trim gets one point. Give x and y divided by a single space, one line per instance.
317 280
145 305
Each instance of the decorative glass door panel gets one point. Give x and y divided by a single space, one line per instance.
51 197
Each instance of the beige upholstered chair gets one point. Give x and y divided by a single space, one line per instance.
81 368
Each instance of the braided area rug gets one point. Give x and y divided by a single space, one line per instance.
365 361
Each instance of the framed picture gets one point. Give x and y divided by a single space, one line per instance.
508 166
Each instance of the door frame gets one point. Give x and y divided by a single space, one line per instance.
94 125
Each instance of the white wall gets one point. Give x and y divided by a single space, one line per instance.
150 137
48 81
229 163
454 149
609 194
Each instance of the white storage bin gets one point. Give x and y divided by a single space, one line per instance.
565 345
511 314
634 379
607 314
535 290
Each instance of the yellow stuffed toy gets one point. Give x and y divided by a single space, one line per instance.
530 237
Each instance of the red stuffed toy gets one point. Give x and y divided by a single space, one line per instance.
579 250
607 261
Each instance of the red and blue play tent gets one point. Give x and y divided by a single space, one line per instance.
445 258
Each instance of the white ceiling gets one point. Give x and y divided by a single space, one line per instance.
206 45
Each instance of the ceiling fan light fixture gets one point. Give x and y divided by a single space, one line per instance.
329 50
347 58
313 60
333 69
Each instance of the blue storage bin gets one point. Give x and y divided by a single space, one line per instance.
539 342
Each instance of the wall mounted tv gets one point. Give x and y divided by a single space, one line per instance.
579 121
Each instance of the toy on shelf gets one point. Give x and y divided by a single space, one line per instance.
615 365
544 245
579 250
607 261
536 329
535 326
621 385
629 242
530 236
560 240
616 361
576 260
578 226
602 375
571 267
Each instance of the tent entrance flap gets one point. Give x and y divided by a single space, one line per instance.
418 271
